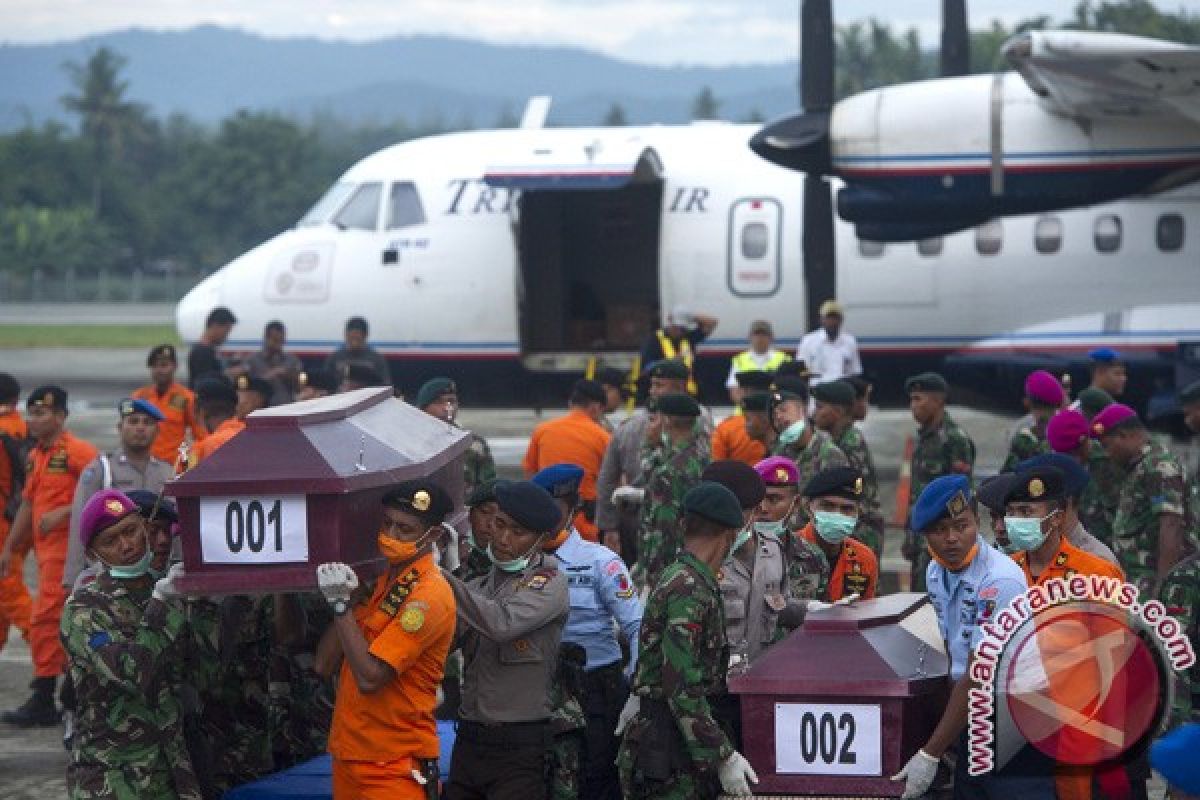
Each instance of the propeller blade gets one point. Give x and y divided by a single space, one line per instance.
816 55
956 39
817 243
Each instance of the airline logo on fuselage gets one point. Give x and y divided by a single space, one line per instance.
471 197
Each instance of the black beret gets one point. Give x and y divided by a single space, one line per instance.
483 493
754 379
795 369
421 496
589 390
1037 484
1190 394
669 368
51 397
434 388
1076 478
245 383
148 501
715 503
927 382
790 386
738 477
993 491
844 482
838 393
611 376
758 401
529 505
677 404
161 351
319 379
215 390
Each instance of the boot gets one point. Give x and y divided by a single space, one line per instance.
39 710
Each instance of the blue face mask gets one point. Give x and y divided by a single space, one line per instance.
129 571
832 526
1025 533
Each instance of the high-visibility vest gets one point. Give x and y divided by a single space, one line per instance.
684 354
744 362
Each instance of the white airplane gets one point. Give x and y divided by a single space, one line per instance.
507 258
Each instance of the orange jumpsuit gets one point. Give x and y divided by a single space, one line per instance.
178 407
729 441
15 604
50 483
574 439
375 739
856 570
209 444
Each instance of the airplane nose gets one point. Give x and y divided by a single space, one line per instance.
195 305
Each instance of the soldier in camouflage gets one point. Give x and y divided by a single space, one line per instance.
1180 593
438 397
673 747
834 414
1044 395
1153 527
810 449
122 634
301 701
568 724
674 453
1189 401
942 448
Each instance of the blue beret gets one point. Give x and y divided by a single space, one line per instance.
1174 756
560 480
1104 355
944 496
148 501
139 406
1075 476
529 505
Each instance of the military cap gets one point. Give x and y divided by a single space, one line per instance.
758 401
754 379
131 406
483 493
1075 477
838 393
1043 389
927 382
949 495
10 389
1093 400
434 388
677 404
762 327
861 385
1118 415
715 503
1174 757
246 383
560 480
1066 430
1190 394
362 374
589 390
844 482
994 490
832 307
322 379
529 505
669 368
51 397
147 502
421 496
1104 355
789 387
104 509
738 477
215 391
1037 485
611 376
796 369
778 471
162 351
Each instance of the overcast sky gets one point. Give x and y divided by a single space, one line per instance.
657 31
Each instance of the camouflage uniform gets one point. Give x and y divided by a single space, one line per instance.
301 709
1098 505
820 454
1180 593
1026 443
668 471
567 724
124 655
944 450
808 569
1153 486
870 526
478 466
476 565
672 747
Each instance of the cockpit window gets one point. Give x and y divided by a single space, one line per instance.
328 205
362 210
405 208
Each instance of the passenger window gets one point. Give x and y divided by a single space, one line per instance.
1107 233
1169 233
362 210
1048 235
405 207
989 238
868 248
930 247
754 240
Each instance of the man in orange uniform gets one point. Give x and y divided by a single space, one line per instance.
391 653
15 605
834 499
55 464
743 437
216 405
175 401
578 438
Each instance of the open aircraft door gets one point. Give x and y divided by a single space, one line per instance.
586 228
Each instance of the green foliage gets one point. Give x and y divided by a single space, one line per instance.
55 240
706 105
615 117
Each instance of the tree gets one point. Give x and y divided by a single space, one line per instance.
507 118
706 105
615 117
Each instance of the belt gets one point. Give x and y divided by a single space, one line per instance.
504 733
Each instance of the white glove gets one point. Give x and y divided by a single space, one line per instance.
628 494
847 600
165 590
736 775
918 775
632 706
818 605
337 582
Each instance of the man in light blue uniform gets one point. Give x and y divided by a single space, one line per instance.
969 582
601 593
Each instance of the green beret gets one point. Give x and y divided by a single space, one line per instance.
790 387
759 401
715 503
669 368
1092 401
677 404
1190 394
434 388
838 393
927 382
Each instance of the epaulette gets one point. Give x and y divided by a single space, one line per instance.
398 593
